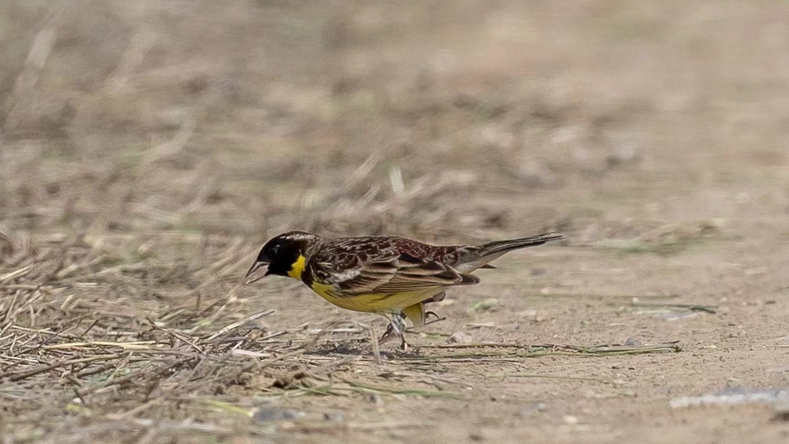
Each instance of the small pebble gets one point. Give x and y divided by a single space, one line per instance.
335 416
459 338
570 419
627 153
533 409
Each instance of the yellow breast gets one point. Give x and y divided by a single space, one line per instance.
373 302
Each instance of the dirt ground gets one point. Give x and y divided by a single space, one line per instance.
147 149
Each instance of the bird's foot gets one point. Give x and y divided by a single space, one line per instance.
407 349
388 335
404 347
437 317
397 327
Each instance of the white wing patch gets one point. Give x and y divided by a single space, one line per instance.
343 276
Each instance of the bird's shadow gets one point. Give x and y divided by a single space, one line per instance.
358 348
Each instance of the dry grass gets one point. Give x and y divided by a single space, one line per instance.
76 340
147 148
109 366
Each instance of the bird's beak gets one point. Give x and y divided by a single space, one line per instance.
256 272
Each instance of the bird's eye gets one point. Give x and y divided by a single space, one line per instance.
272 252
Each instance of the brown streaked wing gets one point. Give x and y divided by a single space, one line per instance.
377 265
444 254
342 261
406 274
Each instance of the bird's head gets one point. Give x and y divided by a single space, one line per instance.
282 255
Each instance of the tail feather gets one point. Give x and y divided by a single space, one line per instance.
415 314
500 247
478 256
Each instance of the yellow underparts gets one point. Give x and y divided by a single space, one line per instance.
410 303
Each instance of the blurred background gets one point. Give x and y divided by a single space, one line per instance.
148 148
450 120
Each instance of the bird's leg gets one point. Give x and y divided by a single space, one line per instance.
388 334
391 329
396 327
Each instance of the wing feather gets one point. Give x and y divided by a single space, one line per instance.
390 273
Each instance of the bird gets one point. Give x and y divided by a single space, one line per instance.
388 275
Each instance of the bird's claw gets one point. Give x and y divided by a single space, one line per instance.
395 328
437 317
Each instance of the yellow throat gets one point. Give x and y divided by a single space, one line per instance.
297 267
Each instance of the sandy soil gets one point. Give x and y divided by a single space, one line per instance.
147 150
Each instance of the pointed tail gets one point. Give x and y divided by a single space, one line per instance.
500 247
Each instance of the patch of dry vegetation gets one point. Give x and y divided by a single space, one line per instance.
147 148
